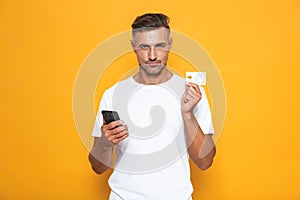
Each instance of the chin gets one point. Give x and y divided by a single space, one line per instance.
154 70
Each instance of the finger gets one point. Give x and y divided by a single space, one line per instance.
190 97
194 92
190 94
184 97
194 85
114 124
120 134
188 88
186 100
115 131
116 141
106 128
118 129
117 136
113 134
103 127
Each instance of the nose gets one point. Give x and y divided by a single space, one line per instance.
152 54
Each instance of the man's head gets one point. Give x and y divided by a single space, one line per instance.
151 41
150 21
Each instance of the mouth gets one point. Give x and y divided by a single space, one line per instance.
153 63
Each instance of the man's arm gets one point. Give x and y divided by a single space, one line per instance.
201 147
100 156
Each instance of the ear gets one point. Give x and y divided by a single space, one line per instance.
170 43
133 45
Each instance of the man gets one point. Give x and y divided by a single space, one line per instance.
152 160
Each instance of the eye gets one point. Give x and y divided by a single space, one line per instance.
144 47
160 46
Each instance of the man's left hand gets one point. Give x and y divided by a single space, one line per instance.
190 98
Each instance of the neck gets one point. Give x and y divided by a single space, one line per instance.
144 78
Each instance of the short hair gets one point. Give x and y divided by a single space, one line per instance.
150 21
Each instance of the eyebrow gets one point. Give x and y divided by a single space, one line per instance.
161 43
140 45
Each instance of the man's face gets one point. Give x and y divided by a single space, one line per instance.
152 49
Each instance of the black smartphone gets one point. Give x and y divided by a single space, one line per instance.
110 116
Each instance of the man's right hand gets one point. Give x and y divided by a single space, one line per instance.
114 132
100 156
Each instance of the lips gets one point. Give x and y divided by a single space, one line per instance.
153 63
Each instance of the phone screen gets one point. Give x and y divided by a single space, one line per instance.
110 116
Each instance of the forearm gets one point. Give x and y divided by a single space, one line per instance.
100 156
201 147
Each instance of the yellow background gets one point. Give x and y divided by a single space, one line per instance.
255 45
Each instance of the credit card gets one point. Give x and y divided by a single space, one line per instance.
196 77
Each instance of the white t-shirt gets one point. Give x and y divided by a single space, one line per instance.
152 163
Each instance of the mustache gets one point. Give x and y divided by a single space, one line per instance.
153 62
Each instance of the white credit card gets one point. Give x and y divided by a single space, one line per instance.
196 77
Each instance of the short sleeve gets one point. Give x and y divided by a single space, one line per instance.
203 114
104 105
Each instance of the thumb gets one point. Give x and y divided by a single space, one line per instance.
103 121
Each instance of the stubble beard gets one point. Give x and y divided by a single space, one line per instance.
153 70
